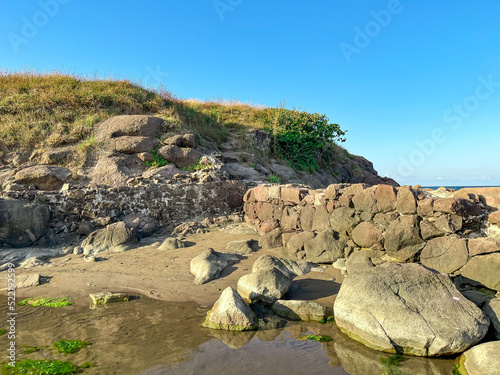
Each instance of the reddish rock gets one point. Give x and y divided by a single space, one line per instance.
293 195
426 207
306 217
385 195
249 196
261 193
454 206
354 189
267 226
494 218
367 235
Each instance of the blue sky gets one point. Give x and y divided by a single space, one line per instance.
415 83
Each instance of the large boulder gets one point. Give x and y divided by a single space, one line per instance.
22 223
324 248
231 312
44 177
115 237
187 139
209 264
385 195
484 269
128 125
299 310
445 254
406 308
344 220
267 286
290 268
115 170
402 238
406 202
481 360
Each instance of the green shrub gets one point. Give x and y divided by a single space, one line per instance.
299 137
196 167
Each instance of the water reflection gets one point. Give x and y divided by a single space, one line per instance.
151 337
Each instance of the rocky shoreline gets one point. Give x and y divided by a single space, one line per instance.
402 270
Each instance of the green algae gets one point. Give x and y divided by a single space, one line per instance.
46 301
70 346
40 367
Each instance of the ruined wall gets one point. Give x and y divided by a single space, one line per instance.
167 203
456 234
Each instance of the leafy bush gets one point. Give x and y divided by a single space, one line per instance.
299 137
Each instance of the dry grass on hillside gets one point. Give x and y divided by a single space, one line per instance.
40 110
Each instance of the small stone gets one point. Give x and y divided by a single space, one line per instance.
108 297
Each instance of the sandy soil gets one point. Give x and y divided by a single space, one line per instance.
165 275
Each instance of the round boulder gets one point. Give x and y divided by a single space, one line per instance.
408 309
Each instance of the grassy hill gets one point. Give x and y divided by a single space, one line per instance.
47 110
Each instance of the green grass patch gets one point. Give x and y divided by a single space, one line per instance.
196 167
70 346
274 179
87 365
319 338
157 162
46 301
40 367
30 349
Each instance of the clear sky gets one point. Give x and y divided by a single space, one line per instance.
415 83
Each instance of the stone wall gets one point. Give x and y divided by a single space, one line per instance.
455 235
96 207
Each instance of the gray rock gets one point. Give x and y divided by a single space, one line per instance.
104 298
241 172
26 281
492 310
171 244
116 170
167 172
284 172
406 201
44 177
181 157
267 286
115 237
481 359
131 144
299 310
242 247
484 269
344 220
289 268
445 254
209 264
402 238
296 242
187 139
22 223
359 262
128 125
231 313
399 308
324 248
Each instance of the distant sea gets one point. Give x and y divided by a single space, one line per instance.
455 187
